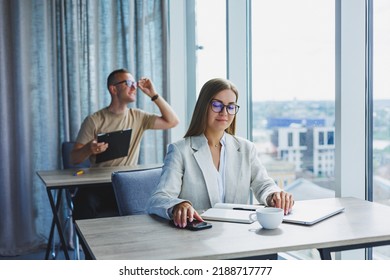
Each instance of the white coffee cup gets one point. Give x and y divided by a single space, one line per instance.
268 217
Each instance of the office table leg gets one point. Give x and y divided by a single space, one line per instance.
50 242
51 235
72 229
263 257
325 254
56 222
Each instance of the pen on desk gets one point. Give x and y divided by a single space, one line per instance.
245 209
78 173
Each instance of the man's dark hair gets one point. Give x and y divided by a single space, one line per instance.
112 77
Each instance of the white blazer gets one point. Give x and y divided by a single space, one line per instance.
189 175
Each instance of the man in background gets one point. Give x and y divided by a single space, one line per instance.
93 202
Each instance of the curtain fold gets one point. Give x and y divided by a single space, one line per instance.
55 57
16 196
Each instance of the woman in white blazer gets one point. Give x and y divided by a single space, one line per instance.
212 165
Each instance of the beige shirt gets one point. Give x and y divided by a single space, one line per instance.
104 121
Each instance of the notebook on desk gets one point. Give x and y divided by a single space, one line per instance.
230 212
118 144
310 212
227 215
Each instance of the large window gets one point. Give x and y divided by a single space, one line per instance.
381 109
293 80
210 40
306 65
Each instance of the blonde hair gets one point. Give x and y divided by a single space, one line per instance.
199 117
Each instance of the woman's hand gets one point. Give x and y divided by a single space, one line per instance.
281 200
183 212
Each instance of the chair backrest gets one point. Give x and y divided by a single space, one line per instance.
66 162
134 188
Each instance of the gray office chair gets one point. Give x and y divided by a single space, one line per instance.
70 193
133 189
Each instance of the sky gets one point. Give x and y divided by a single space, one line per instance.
292 52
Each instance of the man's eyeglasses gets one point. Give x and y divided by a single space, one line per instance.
218 106
129 83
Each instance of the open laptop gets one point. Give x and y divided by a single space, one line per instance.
118 144
310 212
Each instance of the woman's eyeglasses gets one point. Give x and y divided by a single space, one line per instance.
129 83
218 106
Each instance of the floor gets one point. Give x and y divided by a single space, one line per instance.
56 253
40 255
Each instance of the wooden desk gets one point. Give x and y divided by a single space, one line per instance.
363 224
58 180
